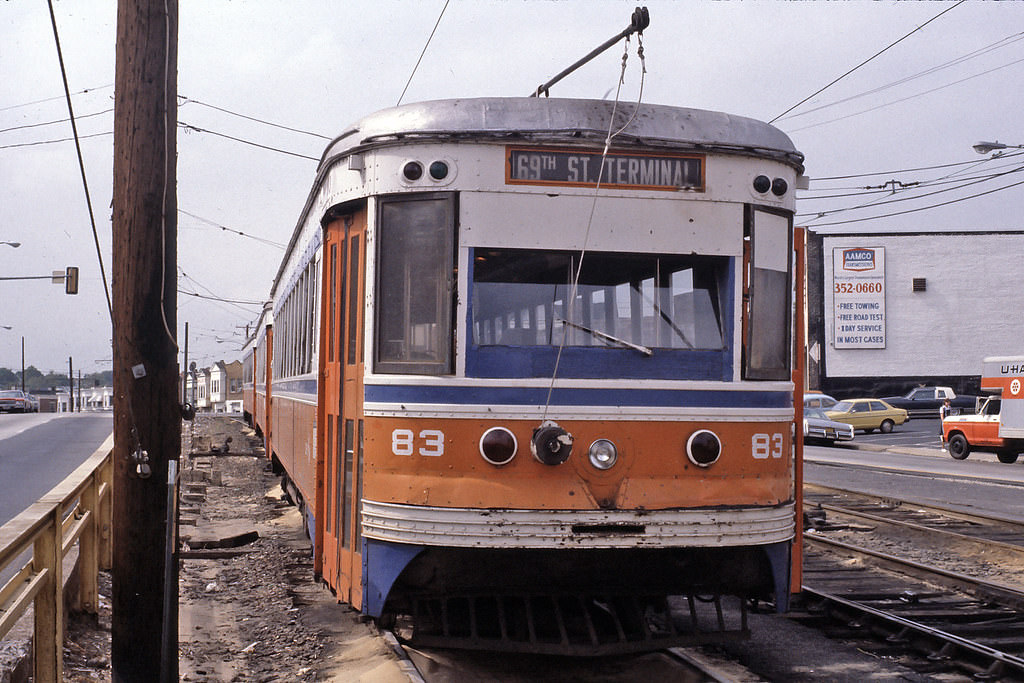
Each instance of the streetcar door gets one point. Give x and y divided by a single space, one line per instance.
341 403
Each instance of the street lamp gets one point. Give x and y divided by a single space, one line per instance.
12 244
986 147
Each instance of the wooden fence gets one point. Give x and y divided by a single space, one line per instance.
76 510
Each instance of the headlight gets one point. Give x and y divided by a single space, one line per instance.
703 448
603 454
551 444
498 446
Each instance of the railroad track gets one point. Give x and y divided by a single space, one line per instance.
425 665
932 619
913 514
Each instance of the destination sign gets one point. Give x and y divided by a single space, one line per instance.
575 168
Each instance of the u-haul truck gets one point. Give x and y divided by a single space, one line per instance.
998 427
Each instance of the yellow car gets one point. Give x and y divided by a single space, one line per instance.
868 414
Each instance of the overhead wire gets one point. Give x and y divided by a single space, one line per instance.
860 190
905 170
866 61
1003 42
55 122
54 98
883 201
51 142
197 129
224 228
908 97
422 52
81 160
213 296
210 297
188 100
593 205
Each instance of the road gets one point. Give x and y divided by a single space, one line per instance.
909 464
37 450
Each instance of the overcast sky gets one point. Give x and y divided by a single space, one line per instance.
318 66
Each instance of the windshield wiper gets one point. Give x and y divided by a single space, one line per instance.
603 336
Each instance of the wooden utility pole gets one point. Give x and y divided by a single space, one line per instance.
147 417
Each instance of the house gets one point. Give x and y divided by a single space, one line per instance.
216 389
226 387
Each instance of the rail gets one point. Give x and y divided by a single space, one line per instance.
78 510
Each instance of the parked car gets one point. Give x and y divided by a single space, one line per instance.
816 399
868 414
15 401
819 428
33 403
926 401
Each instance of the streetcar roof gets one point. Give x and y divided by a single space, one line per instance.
554 121
565 121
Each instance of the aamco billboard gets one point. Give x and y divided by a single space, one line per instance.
858 297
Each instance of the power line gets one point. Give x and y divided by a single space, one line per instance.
181 124
81 160
886 48
279 245
197 129
909 97
907 170
51 99
188 100
210 297
881 202
51 123
52 142
1003 42
923 208
423 52
214 296
870 189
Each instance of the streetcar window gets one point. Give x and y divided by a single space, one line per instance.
768 340
526 298
415 281
295 336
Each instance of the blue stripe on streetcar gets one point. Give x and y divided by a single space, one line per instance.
678 398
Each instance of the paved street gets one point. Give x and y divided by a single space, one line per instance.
38 450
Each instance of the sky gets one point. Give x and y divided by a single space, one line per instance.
887 146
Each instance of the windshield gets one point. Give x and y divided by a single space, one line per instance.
521 297
10 394
815 412
842 407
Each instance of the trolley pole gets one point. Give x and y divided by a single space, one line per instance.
147 416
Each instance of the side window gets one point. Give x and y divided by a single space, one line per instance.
415 284
768 296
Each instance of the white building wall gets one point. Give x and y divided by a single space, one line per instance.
971 308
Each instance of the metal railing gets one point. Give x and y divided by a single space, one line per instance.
76 510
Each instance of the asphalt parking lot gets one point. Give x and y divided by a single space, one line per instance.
917 433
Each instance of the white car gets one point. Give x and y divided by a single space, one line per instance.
819 428
15 401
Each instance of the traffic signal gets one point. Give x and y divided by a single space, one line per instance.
71 280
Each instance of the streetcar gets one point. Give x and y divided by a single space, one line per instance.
530 372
